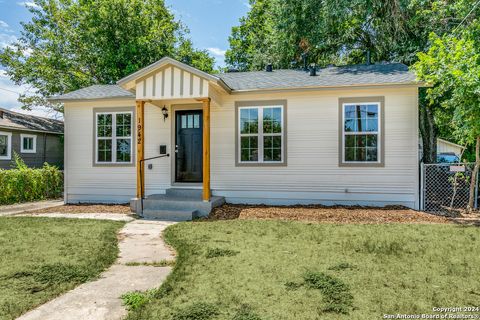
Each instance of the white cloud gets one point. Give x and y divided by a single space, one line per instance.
28 4
217 52
6 40
3 24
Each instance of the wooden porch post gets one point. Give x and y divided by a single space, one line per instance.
140 113
206 149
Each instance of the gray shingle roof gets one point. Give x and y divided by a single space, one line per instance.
375 74
25 122
95 92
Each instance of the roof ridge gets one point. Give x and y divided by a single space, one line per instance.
29 115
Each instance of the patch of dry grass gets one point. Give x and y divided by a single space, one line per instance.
87 208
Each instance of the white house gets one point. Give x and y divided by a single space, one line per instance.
444 146
347 135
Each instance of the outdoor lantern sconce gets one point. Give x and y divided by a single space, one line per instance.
165 113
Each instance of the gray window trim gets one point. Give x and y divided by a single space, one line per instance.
262 103
94 153
377 99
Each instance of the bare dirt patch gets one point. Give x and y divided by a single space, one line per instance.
336 214
87 208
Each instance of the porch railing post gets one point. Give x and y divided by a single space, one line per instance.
206 149
140 113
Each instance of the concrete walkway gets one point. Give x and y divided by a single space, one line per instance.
140 242
22 207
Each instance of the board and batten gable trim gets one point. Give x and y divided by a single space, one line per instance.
377 99
134 135
262 103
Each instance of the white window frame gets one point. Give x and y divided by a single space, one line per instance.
113 137
377 133
9 146
260 135
34 137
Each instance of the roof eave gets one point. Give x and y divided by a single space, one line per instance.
63 100
30 130
311 88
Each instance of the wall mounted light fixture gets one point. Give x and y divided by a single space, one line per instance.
165 113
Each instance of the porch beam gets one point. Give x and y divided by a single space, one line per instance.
206 148
140 114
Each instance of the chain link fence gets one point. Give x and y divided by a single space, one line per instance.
445 188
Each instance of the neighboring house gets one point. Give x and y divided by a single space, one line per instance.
447 147
347 135
35 139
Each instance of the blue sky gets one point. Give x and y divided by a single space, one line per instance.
209 22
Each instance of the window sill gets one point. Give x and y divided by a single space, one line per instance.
260 164
361 164
114 164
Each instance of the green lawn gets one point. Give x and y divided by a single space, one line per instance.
250 270
43 257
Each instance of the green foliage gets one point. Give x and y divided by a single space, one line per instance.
336 294
45 257
196 311
217 252
68 44
136 299
22 184
339 31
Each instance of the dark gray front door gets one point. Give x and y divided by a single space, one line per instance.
188 146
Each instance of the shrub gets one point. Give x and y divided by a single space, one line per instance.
23 184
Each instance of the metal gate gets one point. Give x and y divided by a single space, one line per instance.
445 187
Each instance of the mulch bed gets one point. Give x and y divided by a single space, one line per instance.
88 208
333 214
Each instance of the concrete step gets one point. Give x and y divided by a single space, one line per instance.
177 203
169 215
185 193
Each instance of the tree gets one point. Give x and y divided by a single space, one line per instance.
452 67
341 32
70 44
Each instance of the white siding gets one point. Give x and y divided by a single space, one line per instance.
84 182
312 174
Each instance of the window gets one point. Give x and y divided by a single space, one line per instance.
361 132
114 137
5 145
28 143
261 134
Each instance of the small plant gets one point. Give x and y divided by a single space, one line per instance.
217 252
197 311
336 293
135 300
246 313
342 266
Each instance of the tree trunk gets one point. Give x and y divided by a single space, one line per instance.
428 132
473 180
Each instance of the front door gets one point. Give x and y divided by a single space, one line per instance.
188 146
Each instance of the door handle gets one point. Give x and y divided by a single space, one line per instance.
176 148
